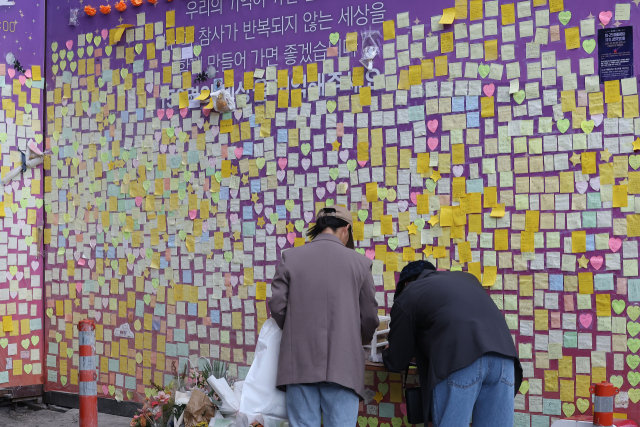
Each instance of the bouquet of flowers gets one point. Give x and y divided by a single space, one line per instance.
156 410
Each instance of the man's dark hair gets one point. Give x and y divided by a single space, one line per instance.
326 222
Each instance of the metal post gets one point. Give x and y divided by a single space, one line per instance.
87 380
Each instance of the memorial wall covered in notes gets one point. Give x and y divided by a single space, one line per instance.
482 138
21 200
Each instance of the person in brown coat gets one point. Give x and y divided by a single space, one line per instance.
324 301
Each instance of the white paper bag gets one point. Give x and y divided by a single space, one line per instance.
259 393
230 404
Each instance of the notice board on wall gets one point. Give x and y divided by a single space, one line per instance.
481 139
21 200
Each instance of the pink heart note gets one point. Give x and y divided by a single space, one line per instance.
98 315
206 111
432 125
586 319
596 262
138 201
105 390
291 237
163 149
320 192
605 17
403 205
11 72
105 33
305 163
169 113
432 143
160 113
19 275
331 186
69 44
193 213
215 130
78 287
13 294
489 89
282 162
458 170
238 152
595 183
403 408
414 198
28 73
615 244
237 114
370 253
183 112
362 162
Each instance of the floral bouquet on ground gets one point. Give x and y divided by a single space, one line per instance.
156 410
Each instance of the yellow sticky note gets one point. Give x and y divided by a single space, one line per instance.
556 6
183 99
36 73
487 107
620 199
351 42
489 275
446 42
603 305
389 29
578 241
490 50
171 18
448 15
229 80
612 91
572 38
508 14
7 323
475 7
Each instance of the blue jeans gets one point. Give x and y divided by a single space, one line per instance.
483 390
308 405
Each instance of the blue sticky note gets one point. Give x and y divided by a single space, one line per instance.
155 324
556 282
193 157
283 135
603 282
170 350
183 349
124 116
473 119
551 407
457 104
114 365
475 185
215 316
130 382
633 289
521 419
255 185
139 308
163 263
61 242
571 339
247 212
281 210
159 310
540 420
107 75
178 335
186 276
1 81
171 243
589 219
472 103
62 196
111 252
204 237
140 114
248 228
416 113
386 410
591 242
252 121
4 375
193 309
35 324
594 201
100 250
224 193
247 148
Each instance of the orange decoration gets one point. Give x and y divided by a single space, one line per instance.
89 10
136 2
105 9
153 1
122 6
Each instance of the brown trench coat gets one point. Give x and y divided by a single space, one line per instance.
324 301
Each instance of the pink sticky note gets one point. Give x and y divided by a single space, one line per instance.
621 286
568 303
332 51
555 320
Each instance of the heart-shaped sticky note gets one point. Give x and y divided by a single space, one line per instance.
563 125
519 96
617 380
568 409
331 106
589 45
633 328
633 344
564 17
634 161
334 37
633 311
618 305
605 17
587 126
582 404
633 361
483 70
